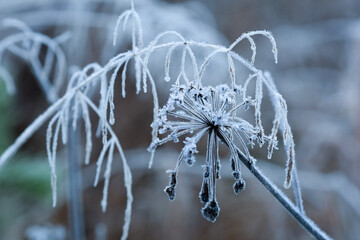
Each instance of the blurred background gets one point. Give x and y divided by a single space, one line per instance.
318 74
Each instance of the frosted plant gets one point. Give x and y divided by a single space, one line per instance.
27 45
196 108
210 111
205 110
78 18
213 111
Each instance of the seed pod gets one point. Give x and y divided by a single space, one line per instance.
233 164
204 192
236 175
172 179
207 172
218 170
239 186
190 160
211 211
170 192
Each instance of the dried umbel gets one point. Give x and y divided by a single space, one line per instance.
197 111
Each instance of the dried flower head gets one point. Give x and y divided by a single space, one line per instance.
197 111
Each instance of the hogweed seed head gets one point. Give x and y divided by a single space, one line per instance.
197 111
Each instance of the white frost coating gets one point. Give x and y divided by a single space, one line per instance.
183 72
65 121
123 80
258 100
232 72
281 122
249 35
39 121
27 46
137 42
107 175
137 74
209 58
125 15
76 111
100 161
199 109
53 173
151 50
103 109
167 62
88 131
51 152
194 64
110 94
78 83
127 172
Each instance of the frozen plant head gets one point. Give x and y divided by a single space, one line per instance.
198 111
195 111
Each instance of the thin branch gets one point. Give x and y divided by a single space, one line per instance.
303 220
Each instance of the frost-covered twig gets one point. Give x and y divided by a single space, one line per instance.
127 173
304 221
27 45
59 114
211 110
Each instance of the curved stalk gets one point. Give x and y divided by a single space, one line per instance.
300 216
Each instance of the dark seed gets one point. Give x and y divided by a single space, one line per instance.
247 105
173 179
211 211
190 161
207 172
233 164
239 186
218 166
204 193
170 192
236 175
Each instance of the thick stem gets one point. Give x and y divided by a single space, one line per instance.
75 200
303 220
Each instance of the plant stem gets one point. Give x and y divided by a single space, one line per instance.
75 200
297 191
303 220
